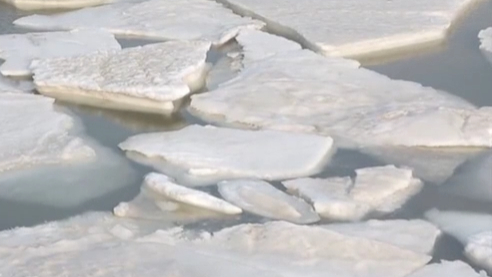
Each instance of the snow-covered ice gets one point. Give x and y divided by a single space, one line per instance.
55 4
146 79
301 91
261 198
448 269
473 230
380 190
206 154
154 19
355 28
34 133
485 37
19 50
416 235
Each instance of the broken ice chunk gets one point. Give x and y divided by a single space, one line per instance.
448 269
261 198
209 154
55 4
20 49
147 79
485 37
155 19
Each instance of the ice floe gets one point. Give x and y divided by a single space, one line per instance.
473 230
206 154
485 37
149 78
448 269
34 133
301 91
354 28
55 4
154 19
261 198
379 190
19 50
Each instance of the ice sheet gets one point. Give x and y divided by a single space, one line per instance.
448 269
208 154
155 19
130 79
261 198
20 49
55 4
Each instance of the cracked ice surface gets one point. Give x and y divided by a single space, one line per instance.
20 49
146 79
155 19
208 154
485 37
355 28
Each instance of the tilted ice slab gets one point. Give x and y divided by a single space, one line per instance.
380 190
485 37
261 198
147 78
474 231
207 154
415 235
20 50
355 28
55 4
301 91
34 133
448 269
155 19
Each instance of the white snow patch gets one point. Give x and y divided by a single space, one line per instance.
19 50
147 78
448 269
55 4
261 198
209 154
154 19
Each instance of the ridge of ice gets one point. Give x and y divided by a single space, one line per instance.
354 28
209 154
259 197
18 50
146 79
55 4
448 269
154 19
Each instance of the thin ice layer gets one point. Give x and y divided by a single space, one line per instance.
485 37
147 78
20 50
55 4
208 153
155 19
380 190
355 28
448 269
34 133
261 198
300 91
415 235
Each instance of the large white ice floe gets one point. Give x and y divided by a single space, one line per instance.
55 4
448 269
206 154
473 230
155 19
354 28
261 198
301 91
416 235
19 50
379 190
485 37
34 133
149 78
100 245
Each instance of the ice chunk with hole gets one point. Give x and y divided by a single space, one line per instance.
448 269
300 91
261 198
485 37
415 235
355 28
154 19
206 154
55 4
34 133
150 79
19 50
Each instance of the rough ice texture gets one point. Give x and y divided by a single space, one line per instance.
97 244
448 269
147 78
207 152
355 28
55 4
416 235
155 19
34 133
20 49
377 189
301 91
261 198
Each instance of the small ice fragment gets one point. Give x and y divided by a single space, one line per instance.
485 37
